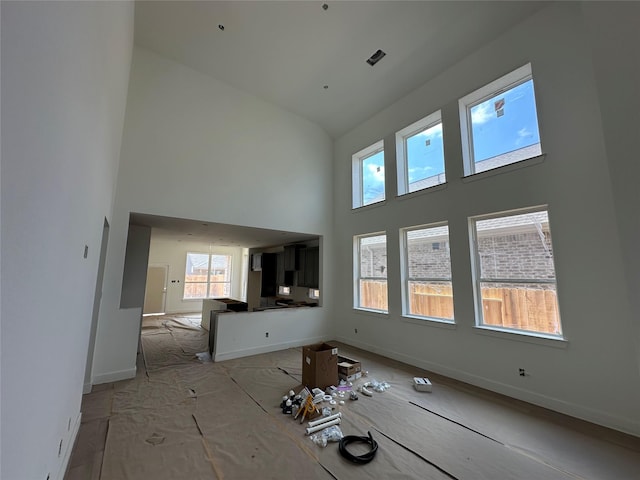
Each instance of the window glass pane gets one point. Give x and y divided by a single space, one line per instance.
515 247
431 299
504 128
517 274
429 292
220 268
219 290
372 273
428 253
195 290
197 267
425 158
373 294
373 256
531 307
373 178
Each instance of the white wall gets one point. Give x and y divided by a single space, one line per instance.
245 333
197 148
65 71
594 375
170 252
615 37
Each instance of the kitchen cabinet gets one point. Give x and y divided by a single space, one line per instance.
269 285
291 258
284 277
309 272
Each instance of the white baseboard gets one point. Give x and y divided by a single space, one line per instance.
86 388
114 376
70 444
246 352
625 425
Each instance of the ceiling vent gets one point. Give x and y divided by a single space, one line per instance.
376 57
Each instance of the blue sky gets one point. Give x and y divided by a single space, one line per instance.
494 133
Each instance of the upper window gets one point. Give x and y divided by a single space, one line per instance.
420 154
371 272
368 175
515 280
427 289
207 276
499 123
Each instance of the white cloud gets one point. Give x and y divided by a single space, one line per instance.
482 113
523 134
433 132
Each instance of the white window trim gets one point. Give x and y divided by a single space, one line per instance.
401 148
480 326
356 173
404 272
356 273
502 84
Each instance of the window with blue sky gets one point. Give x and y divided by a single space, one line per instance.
420 154
368 175
499 123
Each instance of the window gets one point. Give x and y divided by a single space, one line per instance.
420 153
368 175
207 276
427 289
371 272
499 123
514 276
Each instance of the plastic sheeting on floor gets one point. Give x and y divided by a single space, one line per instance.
182 418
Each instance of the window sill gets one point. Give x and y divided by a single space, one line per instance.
367 311
429 322
423 191
381 203
528 337
505 168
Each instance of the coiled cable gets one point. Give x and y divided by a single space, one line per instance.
361 459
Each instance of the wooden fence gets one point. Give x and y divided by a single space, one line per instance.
522 308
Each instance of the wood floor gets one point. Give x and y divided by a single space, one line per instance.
184 417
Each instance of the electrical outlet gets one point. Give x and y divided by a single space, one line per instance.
266 334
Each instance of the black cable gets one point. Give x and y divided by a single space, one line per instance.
362 459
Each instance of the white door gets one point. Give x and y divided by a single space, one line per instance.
155 289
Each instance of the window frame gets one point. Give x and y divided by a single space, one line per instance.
402 159
357 270
478 280
406 279
357 177
465 104
208 282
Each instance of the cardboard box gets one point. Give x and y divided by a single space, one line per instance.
319 365
349 369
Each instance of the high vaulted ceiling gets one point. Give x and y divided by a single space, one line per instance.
311 60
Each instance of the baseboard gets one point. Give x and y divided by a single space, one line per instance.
86 388
588 414
246 352
114 376
70 444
